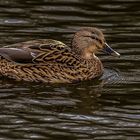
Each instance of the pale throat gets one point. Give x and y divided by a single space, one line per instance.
89 52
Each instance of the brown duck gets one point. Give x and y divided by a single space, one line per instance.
51 61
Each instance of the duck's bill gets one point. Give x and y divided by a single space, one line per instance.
107 49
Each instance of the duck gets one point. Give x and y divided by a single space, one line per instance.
52 61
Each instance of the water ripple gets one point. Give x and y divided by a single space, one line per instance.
107 108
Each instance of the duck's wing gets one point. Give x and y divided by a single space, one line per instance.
26 52
55 53
16 55
41 51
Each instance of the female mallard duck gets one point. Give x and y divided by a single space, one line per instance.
52 61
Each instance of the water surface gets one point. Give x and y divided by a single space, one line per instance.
108 108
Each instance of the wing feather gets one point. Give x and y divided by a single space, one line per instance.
48 51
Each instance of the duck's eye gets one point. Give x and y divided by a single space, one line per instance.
94 37
97 39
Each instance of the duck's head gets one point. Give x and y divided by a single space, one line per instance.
88 41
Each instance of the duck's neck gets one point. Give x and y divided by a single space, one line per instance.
82 50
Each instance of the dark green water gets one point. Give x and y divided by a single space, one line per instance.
102 110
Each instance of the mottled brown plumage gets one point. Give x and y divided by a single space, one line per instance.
52 61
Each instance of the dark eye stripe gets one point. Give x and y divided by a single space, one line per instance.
97 39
